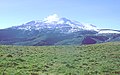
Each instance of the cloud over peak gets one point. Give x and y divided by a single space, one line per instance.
51 18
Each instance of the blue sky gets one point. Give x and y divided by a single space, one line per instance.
102 13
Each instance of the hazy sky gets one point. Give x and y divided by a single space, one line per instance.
102 13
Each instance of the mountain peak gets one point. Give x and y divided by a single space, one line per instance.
56 22
51 18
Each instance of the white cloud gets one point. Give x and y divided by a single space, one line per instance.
51 18
109 31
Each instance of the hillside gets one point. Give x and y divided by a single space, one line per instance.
99 59
55 30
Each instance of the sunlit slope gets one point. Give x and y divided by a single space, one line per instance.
99 59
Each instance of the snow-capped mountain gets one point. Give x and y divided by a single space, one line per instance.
55 30
55 22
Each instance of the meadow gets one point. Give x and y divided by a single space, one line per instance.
98 59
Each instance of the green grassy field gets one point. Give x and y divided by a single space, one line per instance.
99 59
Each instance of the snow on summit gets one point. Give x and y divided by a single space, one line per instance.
56 22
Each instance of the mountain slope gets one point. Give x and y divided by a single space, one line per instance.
54 30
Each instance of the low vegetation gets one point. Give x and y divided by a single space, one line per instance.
99 59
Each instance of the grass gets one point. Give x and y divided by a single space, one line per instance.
99 59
